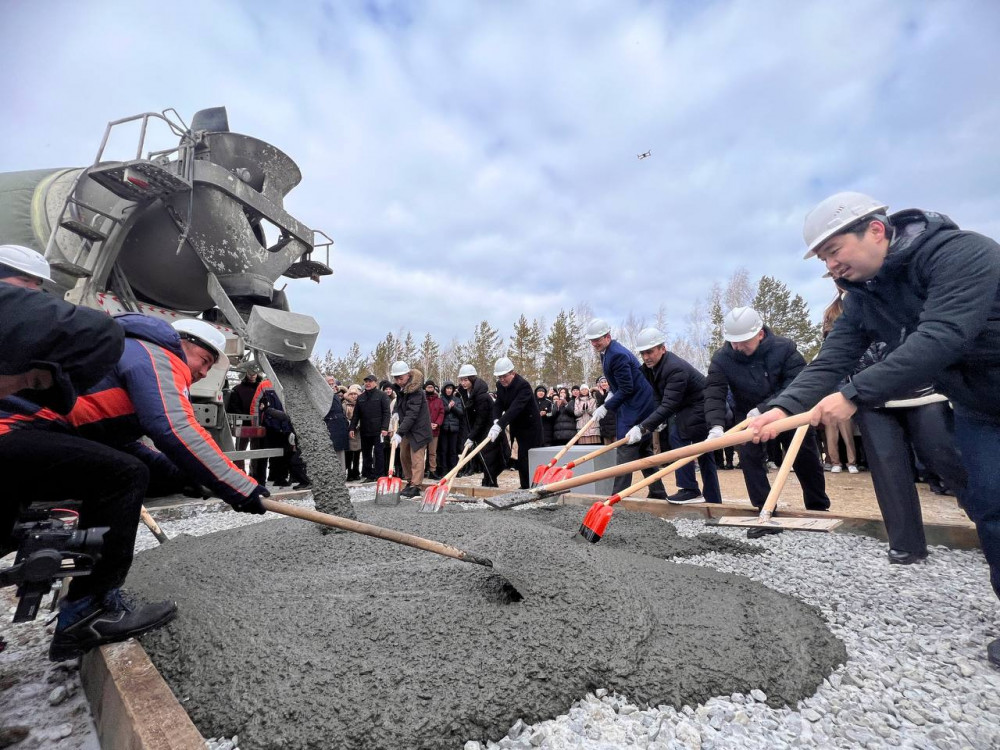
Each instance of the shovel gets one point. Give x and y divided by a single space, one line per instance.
513 499
542 472
558 473
599 515
152 525
435 496
388 487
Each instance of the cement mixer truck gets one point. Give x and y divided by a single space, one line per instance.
194 230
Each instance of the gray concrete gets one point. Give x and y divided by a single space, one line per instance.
540 456
293 639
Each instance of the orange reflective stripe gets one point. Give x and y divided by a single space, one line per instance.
95 407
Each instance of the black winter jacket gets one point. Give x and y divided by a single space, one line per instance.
516 408
414 416
564 426
935 303
680 393
371 413
754 380
336 424
453 415
478 409
548 421
609 424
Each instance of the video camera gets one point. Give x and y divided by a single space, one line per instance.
49 548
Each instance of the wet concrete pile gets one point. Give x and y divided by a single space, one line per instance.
294 639
307 399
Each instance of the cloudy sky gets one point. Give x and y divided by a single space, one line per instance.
477 160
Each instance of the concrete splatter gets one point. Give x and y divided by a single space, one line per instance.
298 640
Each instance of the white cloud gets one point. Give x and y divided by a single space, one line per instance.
478 160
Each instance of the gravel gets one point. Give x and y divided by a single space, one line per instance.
916 675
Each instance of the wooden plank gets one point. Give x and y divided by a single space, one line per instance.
795 524
132 706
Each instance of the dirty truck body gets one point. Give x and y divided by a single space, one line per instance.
198 230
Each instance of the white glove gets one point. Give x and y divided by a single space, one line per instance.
494 432
469 445
600 412
715 432
291 439
634 435
753 413
397 439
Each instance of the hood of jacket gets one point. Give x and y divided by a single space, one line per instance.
153 330
414 384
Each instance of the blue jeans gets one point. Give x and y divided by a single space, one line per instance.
978 439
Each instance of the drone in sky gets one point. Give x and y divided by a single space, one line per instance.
645 155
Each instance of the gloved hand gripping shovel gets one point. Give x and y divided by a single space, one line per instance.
436 495
387 488
542 472
599 515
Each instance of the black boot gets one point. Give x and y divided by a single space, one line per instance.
85 623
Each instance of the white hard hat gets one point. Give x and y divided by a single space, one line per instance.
29 262
467 371
204 334
648 338
597 328
503 366
836 214
399 368
741 324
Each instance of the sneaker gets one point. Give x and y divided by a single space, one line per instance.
685 496
85 624
827 467
852 469
771 466
837 469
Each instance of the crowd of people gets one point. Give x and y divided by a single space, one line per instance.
910 361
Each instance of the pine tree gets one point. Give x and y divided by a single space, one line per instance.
525 345
352 367
386 352
563 364
484 349
429 359
408 349
716 316
786 315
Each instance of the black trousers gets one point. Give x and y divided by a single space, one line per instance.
494 458
372 457
44 466
807 467
447 451
685 476
353 459
642 449
525 442
888 435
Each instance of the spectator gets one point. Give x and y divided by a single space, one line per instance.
370 422
564 420
436 408
451 427
609 422
353 436
583 410
545 412
336 424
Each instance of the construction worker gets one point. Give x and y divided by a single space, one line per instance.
756 365
631 401
517 409
478 417
50 351
680 391
931 292
414 432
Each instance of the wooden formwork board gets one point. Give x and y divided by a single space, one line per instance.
133 708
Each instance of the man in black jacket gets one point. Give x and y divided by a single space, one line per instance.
931 292
414 431
516 408
756 365
479 416
371 419
680 393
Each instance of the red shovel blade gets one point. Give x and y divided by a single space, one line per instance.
594 530
556 474
387 490
434 498
539 474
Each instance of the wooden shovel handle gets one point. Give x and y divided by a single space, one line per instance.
152 525
463 461
599 452
693 450
784 471
446 479
390 535
558 457
646 481
392 457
